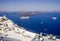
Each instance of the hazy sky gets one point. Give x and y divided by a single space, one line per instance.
29 5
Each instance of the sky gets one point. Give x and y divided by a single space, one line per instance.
29 5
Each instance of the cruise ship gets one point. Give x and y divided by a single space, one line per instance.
9 31
25 17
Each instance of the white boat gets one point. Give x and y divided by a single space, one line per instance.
24 17
9 31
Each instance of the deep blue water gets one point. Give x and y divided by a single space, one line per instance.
33 24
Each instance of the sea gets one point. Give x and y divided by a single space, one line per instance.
46 23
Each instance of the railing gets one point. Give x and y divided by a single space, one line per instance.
45 34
